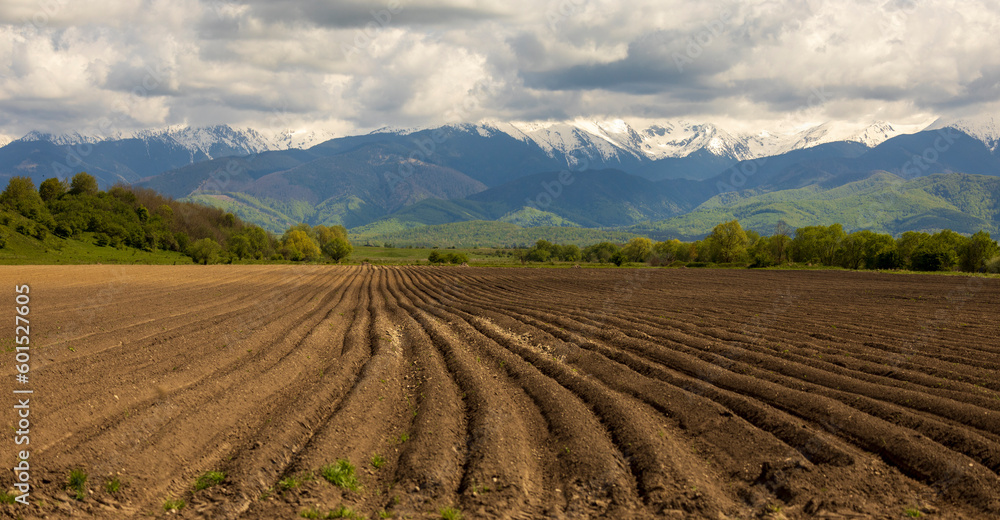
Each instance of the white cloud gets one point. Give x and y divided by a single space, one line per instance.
421 62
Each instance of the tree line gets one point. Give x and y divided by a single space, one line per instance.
125 216
730 244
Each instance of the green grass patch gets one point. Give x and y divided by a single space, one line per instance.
451 513
77 483
377 461
6 497
174 504
24 250
339 512
344 512
341 474
209 479
293 481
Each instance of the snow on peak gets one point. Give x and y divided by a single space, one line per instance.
983 127
210 140
399 130
64 139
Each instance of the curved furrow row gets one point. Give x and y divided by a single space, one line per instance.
176 422
636 429
594 471
813 371
917 456
500 459
157 362
432 454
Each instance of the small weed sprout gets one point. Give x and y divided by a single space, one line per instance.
113 485
78 483
378 461
173 504
451 513
293 481
209 479
341 474
344 512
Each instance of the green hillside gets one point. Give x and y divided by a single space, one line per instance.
883 203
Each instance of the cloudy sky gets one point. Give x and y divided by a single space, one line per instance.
345 67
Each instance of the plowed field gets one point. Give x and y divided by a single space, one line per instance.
509 393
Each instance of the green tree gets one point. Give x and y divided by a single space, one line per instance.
781 242
639 249
907 245
297 245
205 251
568 253
728 242
761 252
456 258
818 244
664 253
851 253
83 183
52 189
338 248
542 251
601 252
979 249
21 196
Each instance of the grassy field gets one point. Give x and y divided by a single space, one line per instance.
406 255
21 250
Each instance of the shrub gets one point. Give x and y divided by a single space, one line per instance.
205 251
338 249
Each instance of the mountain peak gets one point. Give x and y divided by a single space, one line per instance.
211 140
983 127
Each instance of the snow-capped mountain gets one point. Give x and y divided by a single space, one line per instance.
212 141
296 139
985 128
623 140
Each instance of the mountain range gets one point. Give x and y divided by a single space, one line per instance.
665 179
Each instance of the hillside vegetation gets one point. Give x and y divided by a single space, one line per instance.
76 222
883 203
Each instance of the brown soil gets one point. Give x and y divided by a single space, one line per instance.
510 393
